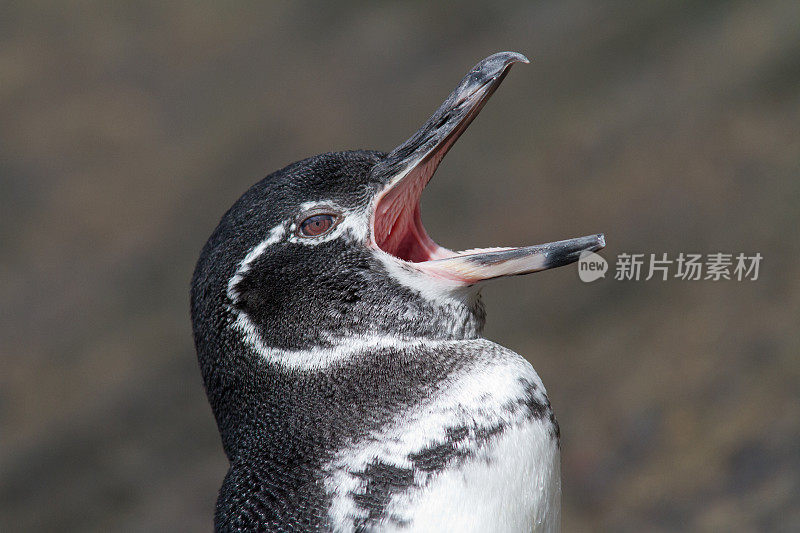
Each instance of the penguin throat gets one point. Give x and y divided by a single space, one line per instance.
404 237
397 224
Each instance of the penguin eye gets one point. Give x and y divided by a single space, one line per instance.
316 225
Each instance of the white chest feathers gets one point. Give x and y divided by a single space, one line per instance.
479 454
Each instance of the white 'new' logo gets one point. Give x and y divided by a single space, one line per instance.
591 266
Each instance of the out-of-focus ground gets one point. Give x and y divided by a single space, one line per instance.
126 131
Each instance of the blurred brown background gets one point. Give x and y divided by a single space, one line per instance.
127 129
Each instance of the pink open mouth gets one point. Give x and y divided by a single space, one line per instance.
396 221
398 231
398 228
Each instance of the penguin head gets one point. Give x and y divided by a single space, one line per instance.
293 268
329 254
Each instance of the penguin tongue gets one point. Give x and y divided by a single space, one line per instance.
396 222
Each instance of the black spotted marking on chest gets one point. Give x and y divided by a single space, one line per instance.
538 407
382 480
436 456
462 442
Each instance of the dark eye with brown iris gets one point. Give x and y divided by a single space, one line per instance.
316 225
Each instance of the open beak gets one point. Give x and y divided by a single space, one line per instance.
396 222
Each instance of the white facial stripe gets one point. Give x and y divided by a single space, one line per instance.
308 206
273 236
342 349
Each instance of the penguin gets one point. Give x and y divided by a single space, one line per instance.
341 351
